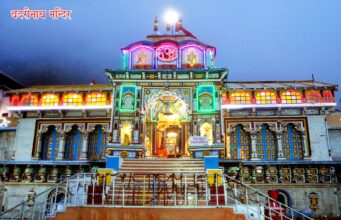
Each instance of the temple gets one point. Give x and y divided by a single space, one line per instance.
169 102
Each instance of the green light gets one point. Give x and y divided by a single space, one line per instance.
127 89
124 58
209 90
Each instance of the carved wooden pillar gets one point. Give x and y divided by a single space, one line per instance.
254 155
84 153
38 147
61 147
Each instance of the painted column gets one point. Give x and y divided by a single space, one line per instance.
61 147
280 154
84 153
254 155
38 149
227 144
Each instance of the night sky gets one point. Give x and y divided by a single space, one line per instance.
256 40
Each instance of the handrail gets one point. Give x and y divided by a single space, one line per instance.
266 196
37 195
24 203
129 189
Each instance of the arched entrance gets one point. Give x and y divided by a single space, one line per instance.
166 125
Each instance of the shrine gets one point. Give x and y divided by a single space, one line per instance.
170 111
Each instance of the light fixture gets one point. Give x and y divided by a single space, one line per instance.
171 134
171 17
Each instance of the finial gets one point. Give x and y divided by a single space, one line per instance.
178 25
168 27
156 24
180 22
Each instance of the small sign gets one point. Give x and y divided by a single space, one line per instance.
198 141
215 176
105 173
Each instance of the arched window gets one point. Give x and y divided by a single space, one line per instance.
50 100
97 143
266 97
292 143
240 143
266 144
240 97
96 98
15 100
313 96
328 96
291 97
29 100
73 144
72 99
50 144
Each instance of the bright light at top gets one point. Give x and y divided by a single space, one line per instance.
171 17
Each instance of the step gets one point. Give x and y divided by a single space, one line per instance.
105 213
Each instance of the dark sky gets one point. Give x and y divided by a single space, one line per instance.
256 40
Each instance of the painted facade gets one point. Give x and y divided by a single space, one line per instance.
170 101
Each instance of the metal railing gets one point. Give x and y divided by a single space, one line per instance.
150 190
248 196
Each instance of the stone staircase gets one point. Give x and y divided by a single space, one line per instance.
149 182
107 213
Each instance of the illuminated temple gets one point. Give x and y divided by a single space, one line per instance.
169 102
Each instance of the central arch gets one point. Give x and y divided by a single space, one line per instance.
166 123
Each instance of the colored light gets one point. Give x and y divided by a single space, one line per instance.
171 17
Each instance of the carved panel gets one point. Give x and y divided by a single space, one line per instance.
68 126
91 126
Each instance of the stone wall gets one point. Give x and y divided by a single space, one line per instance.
16 193
328 198
335 143
318 138
24 139
7 138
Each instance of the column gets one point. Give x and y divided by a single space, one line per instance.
280 154
84 153
254 155
304 145
38 146
227 144
61 147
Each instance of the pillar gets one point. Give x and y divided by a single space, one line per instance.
84 153
227 144
254 155
304 145
38 146
61 147
280 153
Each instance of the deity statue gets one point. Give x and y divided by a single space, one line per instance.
54 174
16 174
41 176
68 172
4 174
28 174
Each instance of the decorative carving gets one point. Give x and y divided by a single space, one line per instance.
28 174
239 113
68 127
265 113
290 112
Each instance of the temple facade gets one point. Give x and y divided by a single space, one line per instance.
169 100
